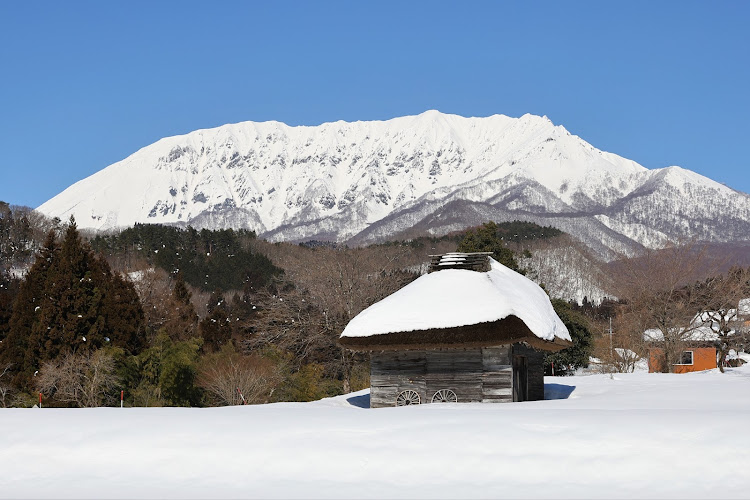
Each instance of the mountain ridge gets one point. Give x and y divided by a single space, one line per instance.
361 182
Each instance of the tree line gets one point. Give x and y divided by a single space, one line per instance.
190 318
170 317
208 260
676 298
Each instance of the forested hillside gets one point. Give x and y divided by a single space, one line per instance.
22 231
183 317
209 260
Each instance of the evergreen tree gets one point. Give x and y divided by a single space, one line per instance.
70 303
178 375
123 314
19 349
216 327
165 373
220 259
576 356
8 291
183 320
519 231
486 238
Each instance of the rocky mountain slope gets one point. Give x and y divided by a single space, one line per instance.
432 173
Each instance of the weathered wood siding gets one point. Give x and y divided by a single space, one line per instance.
535 370
475 375
497 375
394 371
456 369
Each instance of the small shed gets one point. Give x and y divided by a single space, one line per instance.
471 330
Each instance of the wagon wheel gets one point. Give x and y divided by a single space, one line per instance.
408 397
445 396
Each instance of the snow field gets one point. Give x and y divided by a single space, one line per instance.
632 435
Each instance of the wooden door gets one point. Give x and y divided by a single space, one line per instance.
520 379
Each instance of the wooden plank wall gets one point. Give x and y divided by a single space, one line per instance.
497 377
394 371
459 370
475 375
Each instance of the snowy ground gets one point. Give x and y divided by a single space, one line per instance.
634 435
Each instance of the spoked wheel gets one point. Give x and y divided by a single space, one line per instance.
408 397
445 396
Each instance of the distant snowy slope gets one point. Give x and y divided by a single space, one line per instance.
367 181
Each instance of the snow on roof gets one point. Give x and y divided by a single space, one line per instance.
702 326
456 297
697 334
744 309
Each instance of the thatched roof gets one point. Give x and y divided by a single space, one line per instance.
460 308
505 331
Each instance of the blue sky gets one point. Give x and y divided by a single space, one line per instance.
85 84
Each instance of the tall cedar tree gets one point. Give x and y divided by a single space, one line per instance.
70 302
183 320
18 349
8 291
216 327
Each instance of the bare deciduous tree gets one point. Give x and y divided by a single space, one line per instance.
565 266
287 318
231 378
721 310
322 289
341 282
620 351
154 287
6 389
86 380
660 288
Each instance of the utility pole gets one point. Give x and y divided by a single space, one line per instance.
611 348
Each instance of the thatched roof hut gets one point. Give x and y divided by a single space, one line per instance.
461 328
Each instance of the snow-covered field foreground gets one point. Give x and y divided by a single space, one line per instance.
636 435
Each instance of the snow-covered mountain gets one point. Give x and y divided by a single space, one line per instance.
363 182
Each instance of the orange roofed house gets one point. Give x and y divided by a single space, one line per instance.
699 353
694 358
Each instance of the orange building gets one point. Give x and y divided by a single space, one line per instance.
694 359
